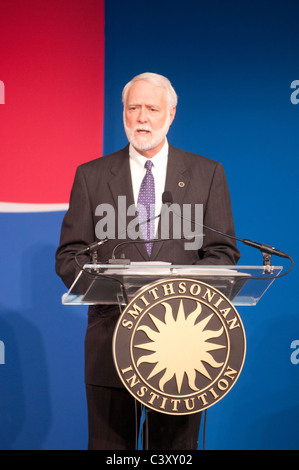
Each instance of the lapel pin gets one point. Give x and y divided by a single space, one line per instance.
181 184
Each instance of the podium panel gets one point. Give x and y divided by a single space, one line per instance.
179 344
118 284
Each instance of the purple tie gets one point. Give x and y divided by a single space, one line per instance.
145 205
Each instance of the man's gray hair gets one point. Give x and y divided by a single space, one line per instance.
158 80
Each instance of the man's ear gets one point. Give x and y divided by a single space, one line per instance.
172 114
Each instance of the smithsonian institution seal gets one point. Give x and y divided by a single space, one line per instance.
179 346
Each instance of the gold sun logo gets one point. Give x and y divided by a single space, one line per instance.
180 346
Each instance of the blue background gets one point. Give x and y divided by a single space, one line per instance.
232 64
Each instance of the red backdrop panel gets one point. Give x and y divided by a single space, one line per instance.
52 67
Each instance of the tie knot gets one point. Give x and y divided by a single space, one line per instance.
148 164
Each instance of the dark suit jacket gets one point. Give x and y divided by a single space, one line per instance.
202 181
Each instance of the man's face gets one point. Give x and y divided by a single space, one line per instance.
147 117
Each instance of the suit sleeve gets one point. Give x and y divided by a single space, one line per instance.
77 231
218 249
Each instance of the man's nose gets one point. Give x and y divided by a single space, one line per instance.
142 117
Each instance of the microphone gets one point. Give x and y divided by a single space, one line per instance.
93 246
265 249
167 199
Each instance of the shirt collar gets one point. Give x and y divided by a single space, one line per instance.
157 160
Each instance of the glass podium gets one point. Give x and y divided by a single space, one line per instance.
118 284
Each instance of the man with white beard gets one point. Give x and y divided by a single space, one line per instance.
150 103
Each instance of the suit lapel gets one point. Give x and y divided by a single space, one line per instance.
120 184
177 182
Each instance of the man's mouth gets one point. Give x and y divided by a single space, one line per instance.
142 131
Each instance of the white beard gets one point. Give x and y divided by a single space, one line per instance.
156 138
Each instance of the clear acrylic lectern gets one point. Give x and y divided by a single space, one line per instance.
118 284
